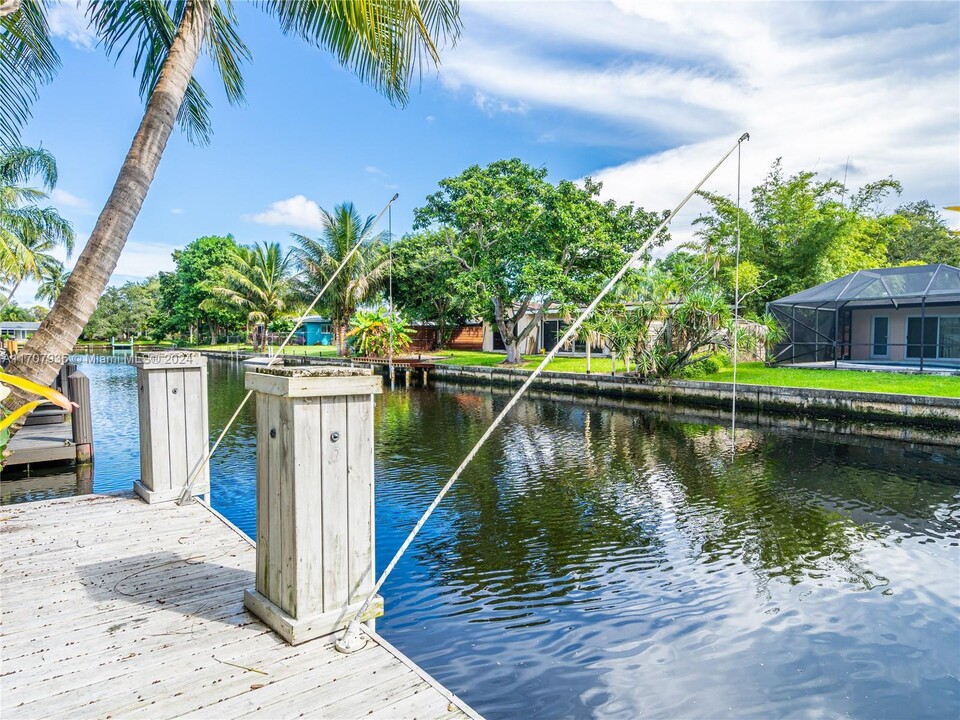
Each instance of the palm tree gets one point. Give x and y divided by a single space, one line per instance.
385 42
256 281
361 277
51 284
28 232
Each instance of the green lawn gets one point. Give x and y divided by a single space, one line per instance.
560 364
756 373
753 373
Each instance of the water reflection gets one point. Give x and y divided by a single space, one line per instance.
600 562
603 559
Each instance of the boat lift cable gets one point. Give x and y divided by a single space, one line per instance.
352 640
271 357
736 321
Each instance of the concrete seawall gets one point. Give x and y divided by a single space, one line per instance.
836 403
890 407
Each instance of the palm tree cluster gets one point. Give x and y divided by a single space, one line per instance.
29 230
256 281
363 274
386 43
268 284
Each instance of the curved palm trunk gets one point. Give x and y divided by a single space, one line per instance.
9 297
42 357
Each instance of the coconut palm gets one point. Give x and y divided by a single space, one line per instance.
362 275
257 281
28 232
385 42
51 284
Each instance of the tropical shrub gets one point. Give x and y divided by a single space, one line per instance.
374 332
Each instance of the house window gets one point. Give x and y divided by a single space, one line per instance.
949 340
922 336
881 337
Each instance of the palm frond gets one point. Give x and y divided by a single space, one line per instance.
384 42
27 61
149 27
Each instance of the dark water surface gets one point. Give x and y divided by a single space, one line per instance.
600 562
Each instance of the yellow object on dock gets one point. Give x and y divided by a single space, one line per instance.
114 608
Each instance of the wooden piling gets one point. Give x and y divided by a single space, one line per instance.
174 427
315 534
78 390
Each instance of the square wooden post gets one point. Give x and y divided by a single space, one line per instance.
174 427
315 509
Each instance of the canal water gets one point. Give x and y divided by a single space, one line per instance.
601 561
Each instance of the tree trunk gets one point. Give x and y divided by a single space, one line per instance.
341 340
10 295
588 354
48 349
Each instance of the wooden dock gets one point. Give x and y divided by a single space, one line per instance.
41 444
51 436
112 608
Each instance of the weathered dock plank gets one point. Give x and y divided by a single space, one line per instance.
113 608
42 443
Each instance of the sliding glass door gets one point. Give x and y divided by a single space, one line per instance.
949 341
922 330
941 337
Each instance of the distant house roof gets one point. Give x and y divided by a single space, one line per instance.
910 285
9 325
314 319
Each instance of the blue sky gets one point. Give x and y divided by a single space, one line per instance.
642 96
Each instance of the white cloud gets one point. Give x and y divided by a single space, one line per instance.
297 212
67 20
430 118
63 198
812 82
176 211
492 106
374 170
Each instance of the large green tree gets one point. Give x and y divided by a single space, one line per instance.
184 291
796 232
127 311
924 238
526 244
385 42
363 273
429 283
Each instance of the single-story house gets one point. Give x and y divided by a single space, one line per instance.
316 330
906 316
20 331
542 338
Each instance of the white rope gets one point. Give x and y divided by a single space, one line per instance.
185 493
390 326
351 640
736 319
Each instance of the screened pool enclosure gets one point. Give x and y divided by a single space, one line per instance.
904 316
